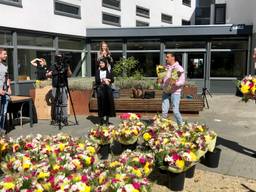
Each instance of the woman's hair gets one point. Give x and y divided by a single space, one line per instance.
103 60
101 43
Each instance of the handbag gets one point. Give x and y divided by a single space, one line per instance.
149 94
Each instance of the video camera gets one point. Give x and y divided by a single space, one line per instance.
61 62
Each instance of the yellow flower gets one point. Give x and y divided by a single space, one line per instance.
135 131
77 163
91 149
165 141
56 167
118 176
146 168
88 160
136 159
135 190
200 128
101 178
48 148
77 178
46 186
61 146
9 186
137 172
245 89
147 136
38 190
43 175
85 188
81 145
3 146
180 164
114 164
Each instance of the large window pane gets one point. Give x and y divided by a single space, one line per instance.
147 62
94 65
5 38
220 14
196 65
35 40
68 43
113 45
228 64
9 63
25 69
111 19
67 9
185 44
230 44
150 44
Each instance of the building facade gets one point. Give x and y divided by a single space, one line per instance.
214 54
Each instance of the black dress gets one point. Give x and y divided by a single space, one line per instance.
105 98
41 72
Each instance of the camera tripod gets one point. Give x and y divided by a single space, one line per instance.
204 92
62 92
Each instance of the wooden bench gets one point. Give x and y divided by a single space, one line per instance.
128 104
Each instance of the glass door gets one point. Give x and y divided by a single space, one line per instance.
195 65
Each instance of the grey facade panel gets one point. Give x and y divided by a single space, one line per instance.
169 31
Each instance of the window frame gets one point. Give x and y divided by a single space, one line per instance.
217 6
109 22
56 12
138 21
166 21
112 7
12 3
141 14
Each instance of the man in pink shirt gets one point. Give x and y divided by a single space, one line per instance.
176 86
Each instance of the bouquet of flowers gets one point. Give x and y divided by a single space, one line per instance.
248 87
128 132
102 134
175 74
130 116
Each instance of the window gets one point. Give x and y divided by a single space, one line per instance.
202 16
70 43
185 22
143 12
196 65
111 19
186 2
141 24
166 18
35 40
17 3
228 64
145 44
220 14
5 37
67 9
112 44
113 4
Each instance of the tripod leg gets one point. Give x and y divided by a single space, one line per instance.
71 102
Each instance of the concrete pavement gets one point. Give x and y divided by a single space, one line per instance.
234 122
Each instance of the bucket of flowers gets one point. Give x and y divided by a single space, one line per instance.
103 135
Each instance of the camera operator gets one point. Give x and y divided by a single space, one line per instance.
5 90
59 72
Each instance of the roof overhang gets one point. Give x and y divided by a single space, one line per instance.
192 30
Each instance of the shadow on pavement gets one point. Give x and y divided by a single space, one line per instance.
249 190
94 119
235 146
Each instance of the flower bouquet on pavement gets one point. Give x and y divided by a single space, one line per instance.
128 132
248 87
130 116
102 135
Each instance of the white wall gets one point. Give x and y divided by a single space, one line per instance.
39 15
175 8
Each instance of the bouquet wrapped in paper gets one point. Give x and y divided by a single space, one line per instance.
175 74
102 135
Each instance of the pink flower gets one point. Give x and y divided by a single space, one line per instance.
84 179
175 157
136 185
142 160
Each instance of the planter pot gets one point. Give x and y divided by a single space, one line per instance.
176 181
116 148
104 151
191 172
81 99
130 147
212 158
42 101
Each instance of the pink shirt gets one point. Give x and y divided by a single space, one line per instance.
176 89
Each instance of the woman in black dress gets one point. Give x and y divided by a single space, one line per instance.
41 68
104 78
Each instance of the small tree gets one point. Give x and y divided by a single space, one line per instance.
125 67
